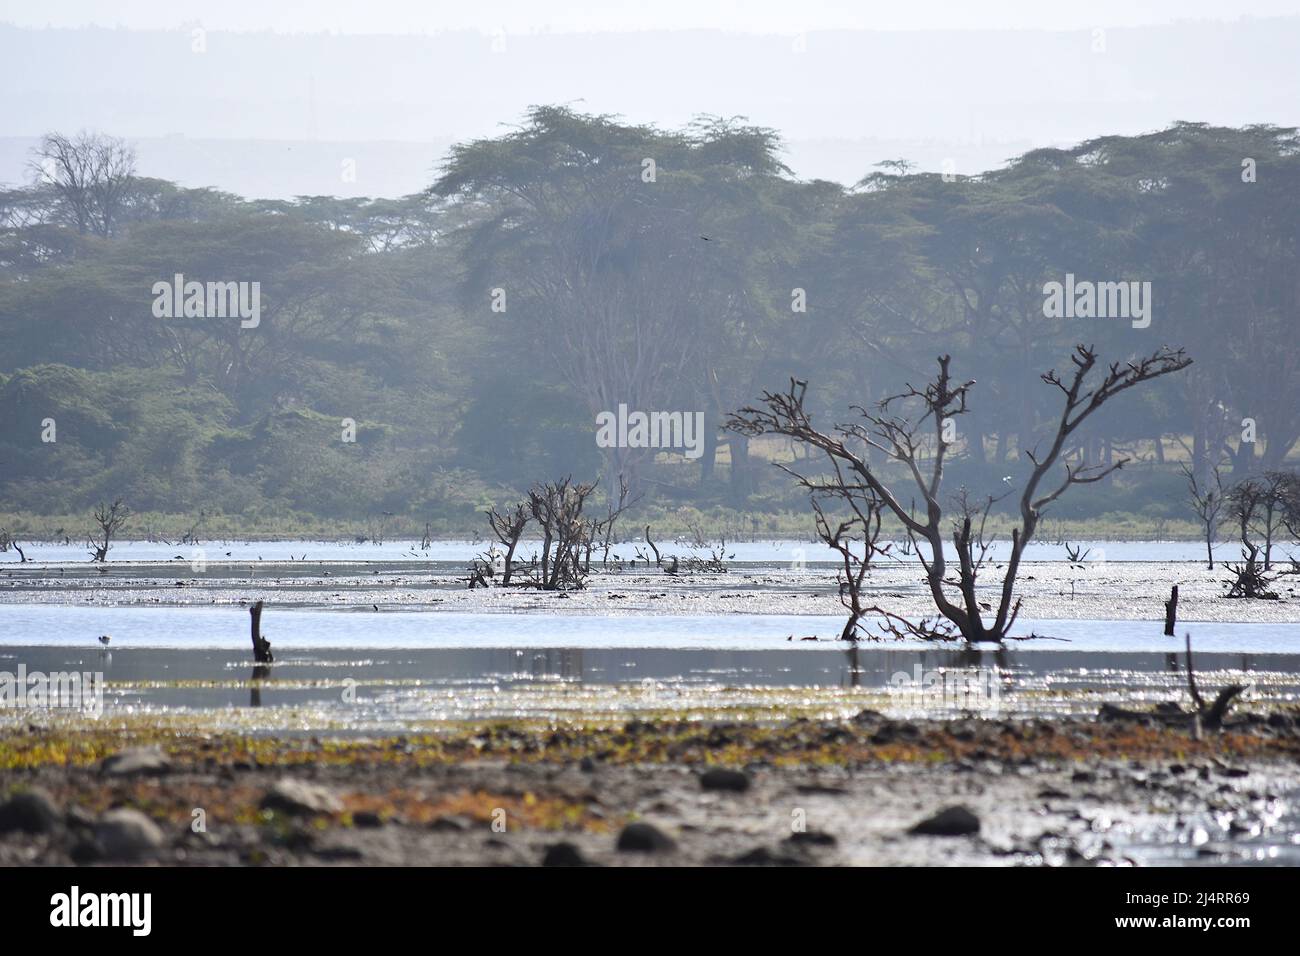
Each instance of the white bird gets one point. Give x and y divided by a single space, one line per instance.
104 639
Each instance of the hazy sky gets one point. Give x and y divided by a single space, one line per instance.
286 94
523 16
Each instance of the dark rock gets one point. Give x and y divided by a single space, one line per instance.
299 798
450 824
951 821
811 838
337 854
79 818
126 834
720 778
564 854
86 851
645 838
32 811
765 856
136 760
1083 776
367 819
821 788
586 765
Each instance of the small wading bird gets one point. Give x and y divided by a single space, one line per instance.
104 639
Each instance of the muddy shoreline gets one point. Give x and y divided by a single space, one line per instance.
1129 590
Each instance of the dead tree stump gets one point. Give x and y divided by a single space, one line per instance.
261 646
1171 612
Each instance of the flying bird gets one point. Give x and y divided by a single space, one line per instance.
104 639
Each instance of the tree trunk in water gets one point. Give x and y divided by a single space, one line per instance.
261 646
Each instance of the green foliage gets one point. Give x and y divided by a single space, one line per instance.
672 295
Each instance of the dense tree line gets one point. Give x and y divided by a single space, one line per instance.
470 334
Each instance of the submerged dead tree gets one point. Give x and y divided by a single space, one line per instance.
1202 716
1207 504
600 531
557 507
261 646
568 537
916 429
8 541
1247 502
110 520
509 527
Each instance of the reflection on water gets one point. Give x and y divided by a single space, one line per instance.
370 690
311 630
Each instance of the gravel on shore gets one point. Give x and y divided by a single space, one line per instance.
863 791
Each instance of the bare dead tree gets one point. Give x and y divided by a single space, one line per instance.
855 539
1207 503
900 438
261 646
1202 716
1077 553
669 565
92 175
192 536
557 507
1246 505
509 528
1273 507
714 563
601 532
110 521
8 542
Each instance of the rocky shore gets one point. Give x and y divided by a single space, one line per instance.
862 791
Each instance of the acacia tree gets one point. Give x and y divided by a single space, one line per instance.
614 247
897 428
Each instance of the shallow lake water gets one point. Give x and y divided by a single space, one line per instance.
393 687
306 629
412 665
